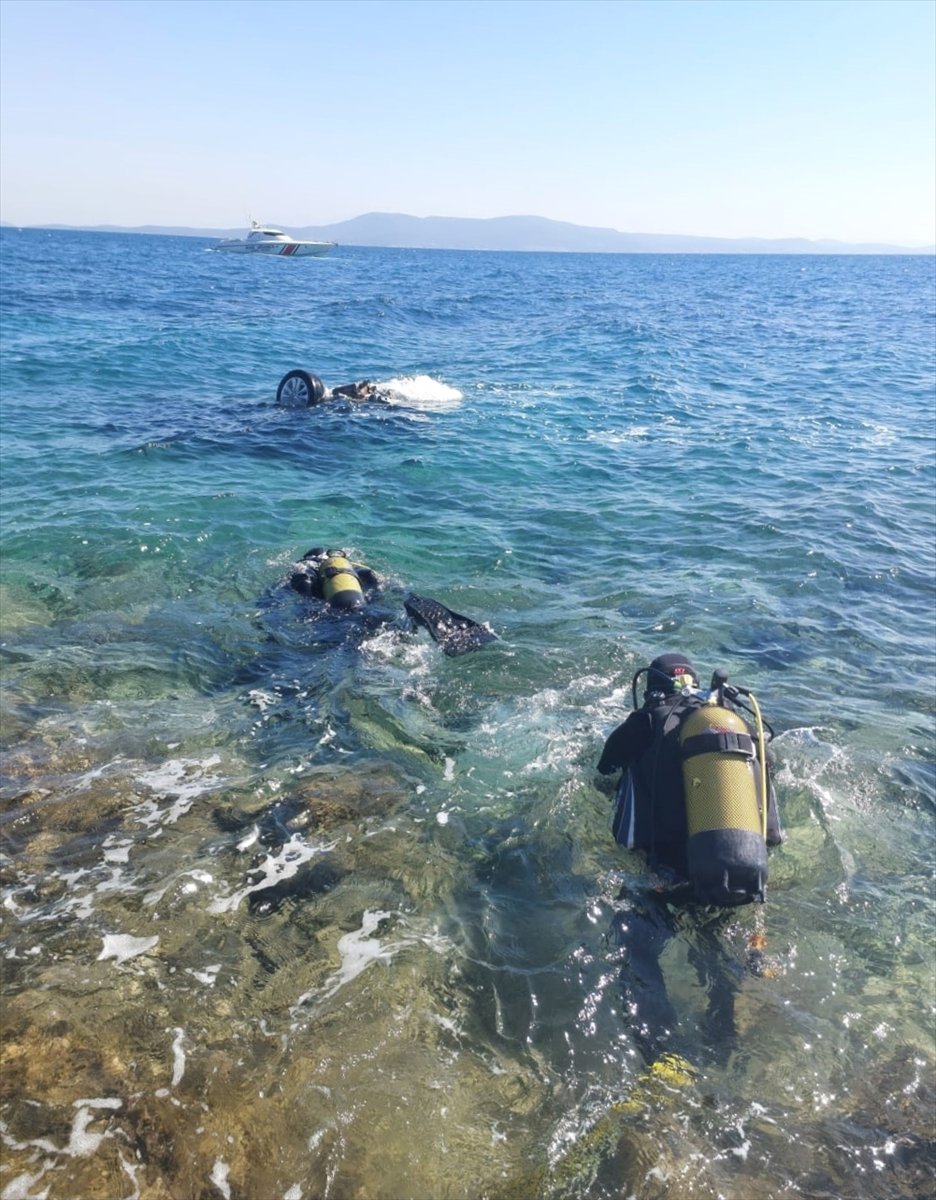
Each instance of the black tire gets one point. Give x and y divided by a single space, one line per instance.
300 389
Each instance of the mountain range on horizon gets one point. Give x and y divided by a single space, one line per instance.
525 233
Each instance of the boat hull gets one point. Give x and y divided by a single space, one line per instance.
279 249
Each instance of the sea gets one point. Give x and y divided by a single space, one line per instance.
297 907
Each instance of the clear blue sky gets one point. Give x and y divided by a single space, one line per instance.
732 118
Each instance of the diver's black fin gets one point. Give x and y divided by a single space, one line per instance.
454 633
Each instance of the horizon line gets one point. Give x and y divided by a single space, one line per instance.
154 229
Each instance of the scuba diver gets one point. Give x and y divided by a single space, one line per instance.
330 576
302 389
695 796
333 605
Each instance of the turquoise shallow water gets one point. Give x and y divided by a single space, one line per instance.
380 882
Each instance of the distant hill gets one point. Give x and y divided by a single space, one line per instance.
540 233
526 233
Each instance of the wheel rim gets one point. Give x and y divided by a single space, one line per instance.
295 391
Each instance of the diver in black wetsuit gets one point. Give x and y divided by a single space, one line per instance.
696 863
330 576
362 390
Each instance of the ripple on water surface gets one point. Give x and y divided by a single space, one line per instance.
298 909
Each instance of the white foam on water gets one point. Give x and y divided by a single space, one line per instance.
386 646
275 868
197 876
116 852
131 1170
208 976
113 883
421 391
294 1193
608 437
358 950
219 1174
328 735
122 946
21 1187
178 1057
249 839
261 700
446 1023
180 780
81 1143
74 904
39 1143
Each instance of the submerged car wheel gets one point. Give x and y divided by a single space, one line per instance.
300 389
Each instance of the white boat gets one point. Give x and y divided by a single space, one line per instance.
263 239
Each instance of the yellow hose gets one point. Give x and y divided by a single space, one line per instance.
762 755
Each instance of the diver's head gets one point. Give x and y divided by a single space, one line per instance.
671 673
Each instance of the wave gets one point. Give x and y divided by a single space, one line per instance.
421 391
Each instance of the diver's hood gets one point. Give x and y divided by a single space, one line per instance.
664 670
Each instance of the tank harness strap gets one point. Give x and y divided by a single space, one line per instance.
674 710
331 572
719 742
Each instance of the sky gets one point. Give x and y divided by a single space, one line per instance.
721 118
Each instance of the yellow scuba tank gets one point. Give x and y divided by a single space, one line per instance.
340 584
725 811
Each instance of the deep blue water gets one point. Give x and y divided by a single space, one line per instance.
604 457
